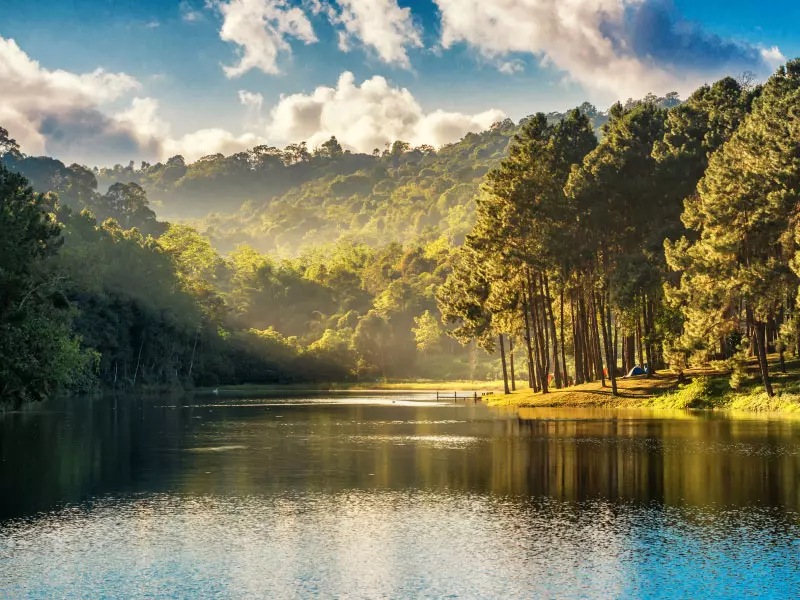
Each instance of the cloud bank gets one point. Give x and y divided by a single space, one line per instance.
66 115
625 47
50 110
369 116
69 116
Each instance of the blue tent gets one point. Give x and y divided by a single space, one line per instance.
637 370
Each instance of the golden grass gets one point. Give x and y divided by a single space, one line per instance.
631 392
705 388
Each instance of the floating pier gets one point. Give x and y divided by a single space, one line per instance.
455 397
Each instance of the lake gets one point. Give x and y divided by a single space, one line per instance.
393 496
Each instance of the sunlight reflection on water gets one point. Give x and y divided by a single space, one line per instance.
411 544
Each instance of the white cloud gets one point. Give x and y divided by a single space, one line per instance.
261 28
142 119
189 13
509 67
143 122
251 99
37 103
209 141
378 24
254 105
368 116
627 47
773 56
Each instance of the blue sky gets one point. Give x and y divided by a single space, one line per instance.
194 76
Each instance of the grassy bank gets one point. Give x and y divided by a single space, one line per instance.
704 389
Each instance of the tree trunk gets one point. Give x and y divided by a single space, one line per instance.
778 341
588 360
194 347
639 340
646 342
760 335
541 348
556 366
543 324
537 336
797 333
654 349
598 358
138 360
511 362
563 349
751 350
610 362
630 352
577 346
503 360
525 312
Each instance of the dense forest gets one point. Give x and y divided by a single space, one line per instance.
670 241
658 233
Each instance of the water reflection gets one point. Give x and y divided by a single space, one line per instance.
387 497
81 449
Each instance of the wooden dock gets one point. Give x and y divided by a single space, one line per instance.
455 397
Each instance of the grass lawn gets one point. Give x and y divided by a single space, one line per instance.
704 388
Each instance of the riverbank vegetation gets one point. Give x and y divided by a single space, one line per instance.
563 250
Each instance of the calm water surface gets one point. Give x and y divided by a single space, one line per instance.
393 497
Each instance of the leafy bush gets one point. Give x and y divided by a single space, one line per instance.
696 394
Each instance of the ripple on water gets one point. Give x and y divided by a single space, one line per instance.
432 441
217 448
411 544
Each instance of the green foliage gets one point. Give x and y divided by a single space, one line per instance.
38 353
8 145
696 394
738 364
427 332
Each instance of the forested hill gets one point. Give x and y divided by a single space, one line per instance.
284 200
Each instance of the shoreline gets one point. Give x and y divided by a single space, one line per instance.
362 387
704 390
